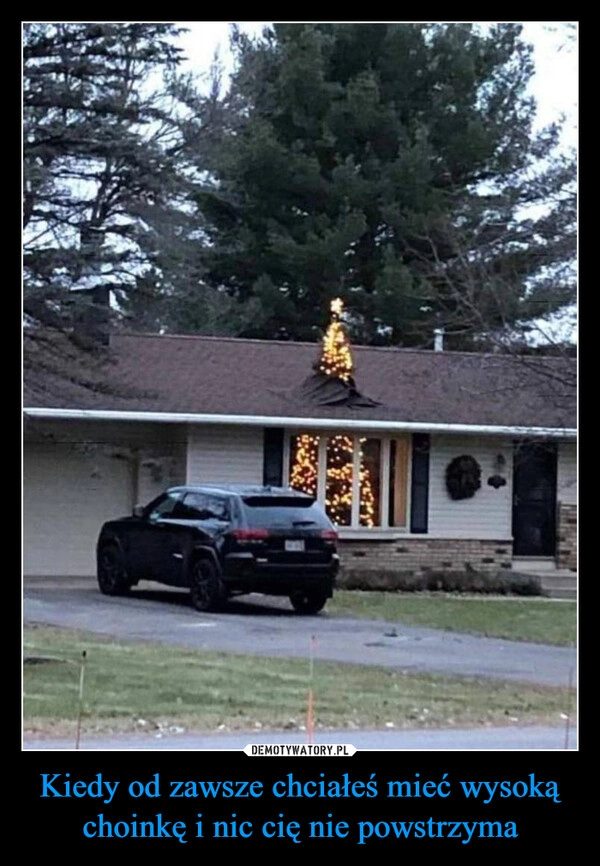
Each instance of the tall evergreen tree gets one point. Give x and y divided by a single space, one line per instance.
101 154
393 165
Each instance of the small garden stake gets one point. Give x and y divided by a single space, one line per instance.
80 712
568 713
310 711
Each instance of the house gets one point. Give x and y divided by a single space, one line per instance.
428 460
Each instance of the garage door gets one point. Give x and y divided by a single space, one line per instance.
68 493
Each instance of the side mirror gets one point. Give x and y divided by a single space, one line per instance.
138 511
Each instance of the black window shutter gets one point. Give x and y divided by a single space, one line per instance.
273 456
419 493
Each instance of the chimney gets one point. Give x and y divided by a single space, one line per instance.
438 340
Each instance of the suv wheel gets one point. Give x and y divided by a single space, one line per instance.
112 579
308 601
206 588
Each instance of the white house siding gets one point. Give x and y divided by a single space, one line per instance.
473 533
161 461
222 454
79 474
486 515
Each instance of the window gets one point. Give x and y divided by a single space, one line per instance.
361 481
192 507
283 512
163 507
200 506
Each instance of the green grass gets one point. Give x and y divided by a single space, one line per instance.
144 686
539 620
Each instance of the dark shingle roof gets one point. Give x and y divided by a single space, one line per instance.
211 375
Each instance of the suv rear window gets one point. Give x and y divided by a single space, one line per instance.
288 512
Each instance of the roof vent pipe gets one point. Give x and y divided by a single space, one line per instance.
438 340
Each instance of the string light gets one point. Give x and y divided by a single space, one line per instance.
336 361
336 357
368 507
338 495
305 466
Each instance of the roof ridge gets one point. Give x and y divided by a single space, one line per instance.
213 338
355 346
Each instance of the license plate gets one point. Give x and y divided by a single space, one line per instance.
294 546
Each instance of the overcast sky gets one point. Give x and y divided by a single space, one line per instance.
554 85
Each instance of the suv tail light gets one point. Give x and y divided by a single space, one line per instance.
250 534
329 535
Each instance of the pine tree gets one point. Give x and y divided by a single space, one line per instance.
393 165
100 160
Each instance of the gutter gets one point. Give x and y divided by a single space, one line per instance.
311 423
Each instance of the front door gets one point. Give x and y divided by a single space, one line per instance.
534 499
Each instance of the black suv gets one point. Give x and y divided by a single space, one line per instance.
221 541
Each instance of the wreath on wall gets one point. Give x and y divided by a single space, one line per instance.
463 477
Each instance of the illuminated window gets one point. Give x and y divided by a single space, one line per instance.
304 462
361 481
370 482
339 479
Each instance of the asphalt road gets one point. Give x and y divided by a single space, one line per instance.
484 739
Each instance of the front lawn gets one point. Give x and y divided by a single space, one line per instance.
538 620
148 687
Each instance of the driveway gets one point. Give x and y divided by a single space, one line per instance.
267 627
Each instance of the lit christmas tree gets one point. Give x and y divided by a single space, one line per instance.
335 361
338 496
336 358
368 506
305 462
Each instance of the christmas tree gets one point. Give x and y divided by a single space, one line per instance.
305 460
336 358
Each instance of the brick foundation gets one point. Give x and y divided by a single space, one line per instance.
420 556
566 554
